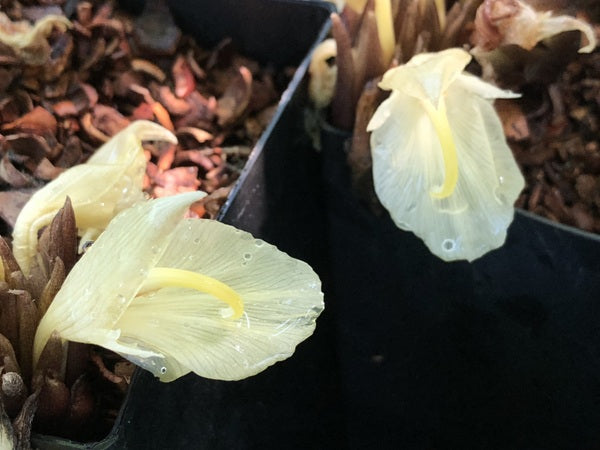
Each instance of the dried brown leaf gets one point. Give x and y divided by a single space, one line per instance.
183 77
235 100
38 121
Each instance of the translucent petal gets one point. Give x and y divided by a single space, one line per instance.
282 299
109 182
427 75
476 85
407 163
106 278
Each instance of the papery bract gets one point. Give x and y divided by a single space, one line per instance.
109 182
113 298
29 41
504 22
441 165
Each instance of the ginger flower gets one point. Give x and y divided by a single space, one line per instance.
441 165
177 295
109 182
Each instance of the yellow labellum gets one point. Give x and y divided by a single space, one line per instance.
442 127
160 277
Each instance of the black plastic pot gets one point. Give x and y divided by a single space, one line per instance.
503 353
294 404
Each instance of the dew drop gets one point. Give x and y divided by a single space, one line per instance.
197 241
259 242
501 179
121 299
247 256
163 370
448 245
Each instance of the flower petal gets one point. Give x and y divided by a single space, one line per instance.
281 295
407 163
476 85
427 75
106 278
109 182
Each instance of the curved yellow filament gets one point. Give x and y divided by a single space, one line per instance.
160 277
442 127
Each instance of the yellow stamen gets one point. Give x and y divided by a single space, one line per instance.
356 5
442 127
385 29
160 277
440 6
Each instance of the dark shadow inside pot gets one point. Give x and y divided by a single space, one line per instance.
500 353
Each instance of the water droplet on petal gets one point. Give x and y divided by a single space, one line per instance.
448 245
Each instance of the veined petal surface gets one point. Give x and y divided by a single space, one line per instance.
109 182
281 295
104 281
427 75
408 163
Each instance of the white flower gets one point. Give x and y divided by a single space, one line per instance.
177 295
441 165
110 181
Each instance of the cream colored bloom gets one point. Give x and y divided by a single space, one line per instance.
109 182
441 165
177 295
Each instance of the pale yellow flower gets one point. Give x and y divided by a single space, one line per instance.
441 165
109 182
177 295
